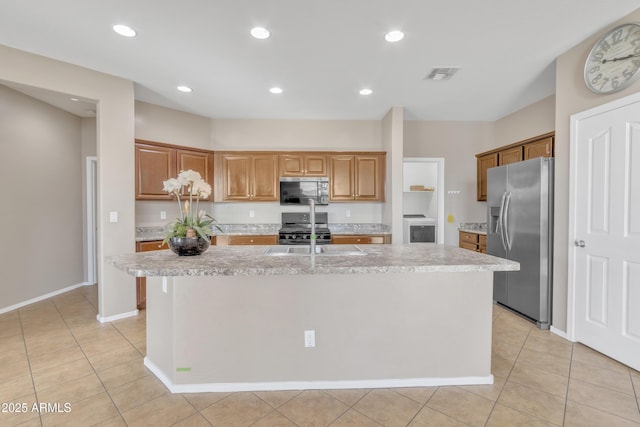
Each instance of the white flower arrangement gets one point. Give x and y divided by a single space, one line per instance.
192 222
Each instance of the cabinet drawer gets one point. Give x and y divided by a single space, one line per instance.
250 240
354 239
468 237
470 246
154 245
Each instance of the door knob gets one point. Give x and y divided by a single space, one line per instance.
580 243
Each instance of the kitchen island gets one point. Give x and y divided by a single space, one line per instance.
238 319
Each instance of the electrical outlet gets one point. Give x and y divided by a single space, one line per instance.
252 213
113 216
163 214
310 338
348 213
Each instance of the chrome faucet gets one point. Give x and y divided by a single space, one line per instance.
312 220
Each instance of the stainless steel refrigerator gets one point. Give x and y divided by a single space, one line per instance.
520 228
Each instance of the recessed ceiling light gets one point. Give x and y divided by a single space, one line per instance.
366 91
75 99
275 90
394 36
124 30
185 89
260 33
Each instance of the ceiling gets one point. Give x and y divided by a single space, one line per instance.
321 53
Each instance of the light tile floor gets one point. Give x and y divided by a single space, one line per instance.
55 352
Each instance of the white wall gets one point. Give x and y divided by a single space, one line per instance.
41 211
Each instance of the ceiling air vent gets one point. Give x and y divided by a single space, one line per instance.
442 73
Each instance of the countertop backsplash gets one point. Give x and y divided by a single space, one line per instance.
158 232
473 227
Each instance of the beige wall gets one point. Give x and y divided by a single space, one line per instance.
572 96
536 119
160 124
457 143
115 134
41 211
393 144
240 134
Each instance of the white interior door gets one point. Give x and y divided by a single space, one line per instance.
605 221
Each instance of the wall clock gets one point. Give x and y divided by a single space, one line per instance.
614 61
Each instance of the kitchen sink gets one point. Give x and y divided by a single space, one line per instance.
325 250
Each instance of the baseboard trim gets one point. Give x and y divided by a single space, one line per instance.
559 333
312 385
105 319
43 297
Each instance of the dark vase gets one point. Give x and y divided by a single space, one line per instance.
189 246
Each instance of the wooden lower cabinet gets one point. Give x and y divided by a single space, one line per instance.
473 241
258 239
363 239
141 282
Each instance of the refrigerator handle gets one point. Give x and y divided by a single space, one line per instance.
505 226
500 225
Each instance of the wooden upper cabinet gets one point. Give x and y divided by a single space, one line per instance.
540 148
510 155
154 164
356 177
341 177
157 162
302 164
485 162
368 179
199 161
264 178
245 176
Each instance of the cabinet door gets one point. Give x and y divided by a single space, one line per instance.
341 181
541 148
367 178
198 161
264 183
484 163
236 173
315 165
291 165
141 282
510 155
299 164
154 164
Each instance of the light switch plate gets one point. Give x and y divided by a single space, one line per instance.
113 216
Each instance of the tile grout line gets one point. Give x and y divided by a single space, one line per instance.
506 379
26 353
89 361
274 409
566 397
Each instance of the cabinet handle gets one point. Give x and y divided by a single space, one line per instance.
160 245
251 240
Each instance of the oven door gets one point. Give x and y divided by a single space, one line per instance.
422 233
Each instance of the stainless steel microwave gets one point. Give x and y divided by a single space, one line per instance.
298 191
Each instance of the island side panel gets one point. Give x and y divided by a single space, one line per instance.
250 329
160 328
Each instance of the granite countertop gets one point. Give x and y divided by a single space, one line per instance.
473 227
251 261
157 232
